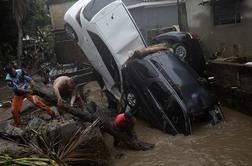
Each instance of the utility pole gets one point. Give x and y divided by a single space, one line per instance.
182 15
179 14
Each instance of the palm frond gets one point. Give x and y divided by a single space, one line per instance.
77 140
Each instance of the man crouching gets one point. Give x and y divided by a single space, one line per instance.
65 89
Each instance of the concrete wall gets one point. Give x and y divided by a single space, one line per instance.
154 16
200 20
57 12
66 51
132 2
148 15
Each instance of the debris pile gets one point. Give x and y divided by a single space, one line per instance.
76 138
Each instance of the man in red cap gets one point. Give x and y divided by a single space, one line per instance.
125 123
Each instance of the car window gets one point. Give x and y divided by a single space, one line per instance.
107 57
177 74
145 70
167 77
94 7
168 103
162 96
159 91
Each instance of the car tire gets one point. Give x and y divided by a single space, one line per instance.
132 99
71 33
180 51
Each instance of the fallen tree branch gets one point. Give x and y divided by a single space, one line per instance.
148 50
47 94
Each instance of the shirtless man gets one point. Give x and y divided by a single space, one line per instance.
65 88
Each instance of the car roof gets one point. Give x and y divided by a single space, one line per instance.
173 33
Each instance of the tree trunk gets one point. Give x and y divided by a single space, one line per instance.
47 94
149 50
20 42
135 144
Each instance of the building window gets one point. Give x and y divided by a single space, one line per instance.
226 11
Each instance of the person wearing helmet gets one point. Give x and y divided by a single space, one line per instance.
125 123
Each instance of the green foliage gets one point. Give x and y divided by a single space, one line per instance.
37 25
26 161
45 35
37 17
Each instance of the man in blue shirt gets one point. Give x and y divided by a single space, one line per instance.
20 82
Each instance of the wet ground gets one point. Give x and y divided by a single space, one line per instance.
227 144
5 93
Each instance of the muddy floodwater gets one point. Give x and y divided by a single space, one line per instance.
227 144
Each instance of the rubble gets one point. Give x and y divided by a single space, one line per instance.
61 130
93 93
35 124
58 133
5 104
99 153
9 130
78 132
11 147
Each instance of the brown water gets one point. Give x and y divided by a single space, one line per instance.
227 144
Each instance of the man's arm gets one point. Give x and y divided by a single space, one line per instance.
57 93
15 87
73 98
23 90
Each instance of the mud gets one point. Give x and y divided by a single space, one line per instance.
229 144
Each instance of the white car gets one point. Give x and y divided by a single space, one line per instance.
107 34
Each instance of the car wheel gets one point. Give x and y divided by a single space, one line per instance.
180 51
71 33
132 99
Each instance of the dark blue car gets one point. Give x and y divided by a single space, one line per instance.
168 93
186 47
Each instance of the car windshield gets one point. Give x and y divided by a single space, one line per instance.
168 103
94 7
176 74
145 70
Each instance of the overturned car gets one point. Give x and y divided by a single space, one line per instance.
186 47
166 88
168 92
